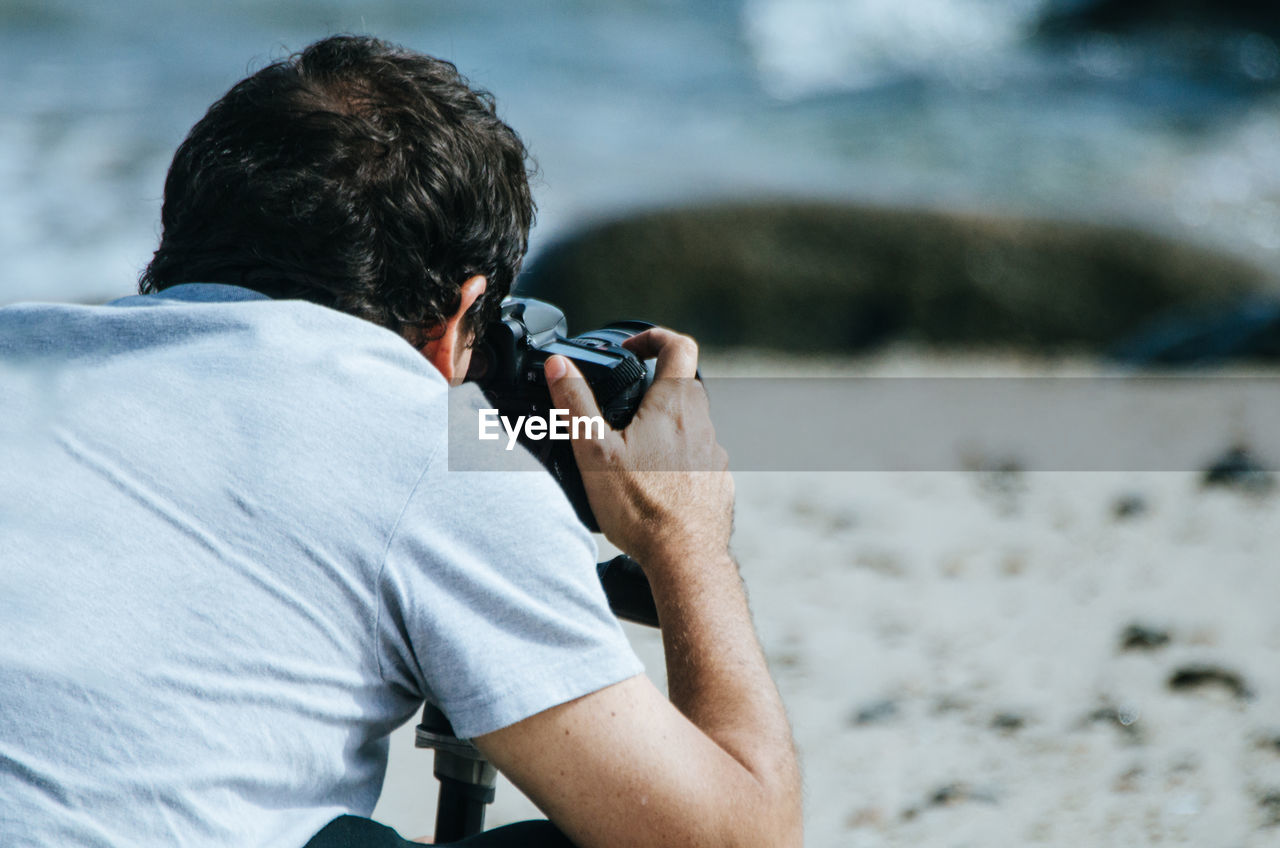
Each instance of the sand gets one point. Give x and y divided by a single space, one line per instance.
1002 657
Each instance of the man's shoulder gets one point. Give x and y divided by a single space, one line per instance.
297 331
283 356
209 321
215 388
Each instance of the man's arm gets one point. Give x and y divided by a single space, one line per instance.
715 764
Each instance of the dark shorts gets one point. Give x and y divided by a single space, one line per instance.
355 832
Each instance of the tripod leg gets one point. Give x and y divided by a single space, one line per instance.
466 788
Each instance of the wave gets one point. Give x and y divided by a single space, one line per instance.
804 47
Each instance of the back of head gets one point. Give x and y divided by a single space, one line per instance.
357 175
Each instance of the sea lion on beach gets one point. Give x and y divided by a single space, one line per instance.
809 276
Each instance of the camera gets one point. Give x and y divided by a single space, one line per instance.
507 362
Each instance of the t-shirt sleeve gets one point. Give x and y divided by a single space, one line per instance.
493 609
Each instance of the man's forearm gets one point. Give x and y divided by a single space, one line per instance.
717 675
661 491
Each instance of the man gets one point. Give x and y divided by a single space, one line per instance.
233 556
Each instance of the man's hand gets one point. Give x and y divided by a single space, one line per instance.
624 766
659 488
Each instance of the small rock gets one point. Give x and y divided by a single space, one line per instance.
831 521
1013 563
1124 719
1000 480
1129 506
1128 781
1001 477
1269 803
883 562
865 817
1141 637
1198 677
876 712
950 704
949 795
786 659
954 793
805 508
839 522
1239 469
1008 722
1182 770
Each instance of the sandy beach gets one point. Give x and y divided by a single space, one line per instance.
1012 654
1002 657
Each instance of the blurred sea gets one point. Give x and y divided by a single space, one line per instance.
642 103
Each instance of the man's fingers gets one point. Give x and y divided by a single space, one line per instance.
569 390
677 354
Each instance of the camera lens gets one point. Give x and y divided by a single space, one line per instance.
616 333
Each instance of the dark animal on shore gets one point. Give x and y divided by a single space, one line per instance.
1245 329
818 277
1131 15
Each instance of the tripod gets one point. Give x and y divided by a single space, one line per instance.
466 777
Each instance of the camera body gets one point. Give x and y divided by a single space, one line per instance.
507 364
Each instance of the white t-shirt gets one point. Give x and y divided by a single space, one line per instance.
233 558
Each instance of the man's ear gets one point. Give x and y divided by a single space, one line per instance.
447 345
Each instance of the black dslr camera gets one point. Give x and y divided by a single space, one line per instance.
507 362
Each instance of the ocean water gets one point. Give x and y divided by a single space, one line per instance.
642 103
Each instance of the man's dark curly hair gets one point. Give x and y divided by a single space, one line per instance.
358 175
